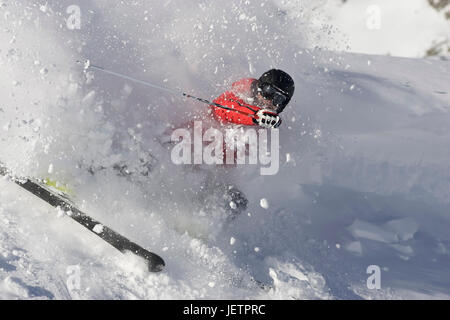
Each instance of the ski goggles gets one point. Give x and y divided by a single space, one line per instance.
278 97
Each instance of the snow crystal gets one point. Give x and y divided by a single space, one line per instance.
264 203
50 168
98 228
288 157
317 133
404 228
232 241
60 212
44 8
256 249
366 230
233 205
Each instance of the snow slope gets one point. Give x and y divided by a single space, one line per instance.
363 179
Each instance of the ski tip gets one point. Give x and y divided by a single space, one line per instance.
154 262
157 266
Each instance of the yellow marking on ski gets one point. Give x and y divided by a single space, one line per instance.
58 186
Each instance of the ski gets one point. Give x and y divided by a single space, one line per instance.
58 199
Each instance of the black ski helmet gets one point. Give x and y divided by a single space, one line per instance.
277 86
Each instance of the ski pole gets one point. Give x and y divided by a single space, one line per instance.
88 65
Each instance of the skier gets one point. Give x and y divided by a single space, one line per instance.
253 102
256 101
250 102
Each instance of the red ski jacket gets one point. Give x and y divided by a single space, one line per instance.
239 98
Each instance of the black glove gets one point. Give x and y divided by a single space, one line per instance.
267 119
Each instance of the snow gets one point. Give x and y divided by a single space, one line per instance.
366 230
404 228
398 28
366 167
98 228
264 203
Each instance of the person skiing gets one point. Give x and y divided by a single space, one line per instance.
249 102
255 101
252 102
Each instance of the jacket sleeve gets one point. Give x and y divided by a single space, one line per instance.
243 114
